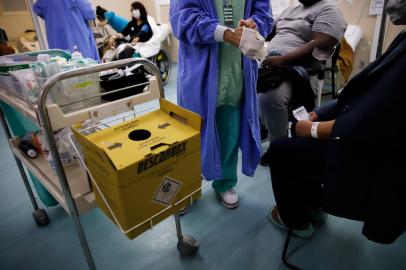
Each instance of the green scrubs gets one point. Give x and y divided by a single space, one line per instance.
228 111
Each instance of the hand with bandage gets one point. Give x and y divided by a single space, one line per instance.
249 23
247 39
252 44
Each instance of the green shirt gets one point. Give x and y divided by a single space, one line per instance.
230 61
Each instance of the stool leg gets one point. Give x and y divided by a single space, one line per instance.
333 84
319 93
285 250
19 164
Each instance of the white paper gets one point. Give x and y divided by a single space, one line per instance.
353 35
376 7
301 114
296 3
278 6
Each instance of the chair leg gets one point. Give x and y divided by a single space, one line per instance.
319 93
285 250
333 83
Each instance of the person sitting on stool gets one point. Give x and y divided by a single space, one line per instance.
304 32
349 157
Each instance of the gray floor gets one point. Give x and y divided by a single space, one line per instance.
229 239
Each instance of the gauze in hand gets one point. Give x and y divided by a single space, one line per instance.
252 44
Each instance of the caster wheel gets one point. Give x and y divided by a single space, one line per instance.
188 246
184 210
163 62
40 217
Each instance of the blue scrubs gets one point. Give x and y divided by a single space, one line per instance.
116 22
66 25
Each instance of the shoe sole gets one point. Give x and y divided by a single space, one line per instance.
298 233
226 205
230 206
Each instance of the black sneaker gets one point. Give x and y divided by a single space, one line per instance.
266 158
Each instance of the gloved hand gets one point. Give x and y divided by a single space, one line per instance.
252 44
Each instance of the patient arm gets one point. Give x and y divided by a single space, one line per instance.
303 129
325 128
303 55
103 23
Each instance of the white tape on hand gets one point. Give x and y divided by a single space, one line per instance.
252 44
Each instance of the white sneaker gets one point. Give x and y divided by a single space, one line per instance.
229 199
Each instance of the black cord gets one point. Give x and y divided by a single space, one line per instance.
285 250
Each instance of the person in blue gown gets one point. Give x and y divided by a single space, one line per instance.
216 81
66 23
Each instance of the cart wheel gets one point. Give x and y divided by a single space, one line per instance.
188 245
40 217
184 210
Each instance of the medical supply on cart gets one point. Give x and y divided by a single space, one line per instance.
72 188
6 81
64 146
15 77
28 148
36 140
76 54
144 167
30 144
133 80
25 85
70 91
24 76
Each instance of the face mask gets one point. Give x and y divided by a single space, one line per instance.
397 11
307 3
136 14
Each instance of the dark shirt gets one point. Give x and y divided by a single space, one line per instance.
365 174
142 31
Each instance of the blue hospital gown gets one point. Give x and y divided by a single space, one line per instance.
66 25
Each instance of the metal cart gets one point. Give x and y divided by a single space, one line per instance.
70 186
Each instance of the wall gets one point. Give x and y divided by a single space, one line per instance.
15 24
355 13
392 31
123 7
358 13
173 49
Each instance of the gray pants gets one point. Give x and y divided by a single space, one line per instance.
274 106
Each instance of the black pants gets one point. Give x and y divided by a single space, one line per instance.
297 166
126 53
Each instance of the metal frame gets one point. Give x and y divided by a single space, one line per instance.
186 245
382 30
48 130
285 250
19 164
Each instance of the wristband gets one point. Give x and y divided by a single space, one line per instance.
313 130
